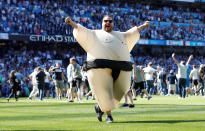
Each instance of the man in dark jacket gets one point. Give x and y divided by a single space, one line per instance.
40 81
172 82
58 77
201 79
163 82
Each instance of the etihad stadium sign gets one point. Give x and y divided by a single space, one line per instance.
70 39
41 38
55 38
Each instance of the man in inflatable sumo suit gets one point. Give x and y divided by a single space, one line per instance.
108 61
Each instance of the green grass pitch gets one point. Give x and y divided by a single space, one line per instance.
161 113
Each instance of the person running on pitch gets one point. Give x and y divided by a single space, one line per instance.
108 61
58 77
201 79
172 79
182 75
74 78
129 93
149 77
47 82
194 75
34 91
13 85
40 82
138 83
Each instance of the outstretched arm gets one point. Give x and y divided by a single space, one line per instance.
132 35
190 57
134 72
145 25
85 37
191 74
158 68
175 60
70 22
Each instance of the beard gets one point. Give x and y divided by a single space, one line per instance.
108 28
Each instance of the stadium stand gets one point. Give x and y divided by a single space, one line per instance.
43 18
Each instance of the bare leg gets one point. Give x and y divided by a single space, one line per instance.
130 97
134 93
147 94
187 91
47 93
72 93
145 91
79 95
126 99
61 92
195 89
57 93
169 91
108 112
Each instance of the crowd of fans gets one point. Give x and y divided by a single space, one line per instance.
34 17
26 59
166 62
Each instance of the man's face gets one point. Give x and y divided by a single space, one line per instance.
58 65
73 62
183 62
107 24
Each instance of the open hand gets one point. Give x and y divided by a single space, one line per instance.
68 20
173 54
191 56
147 24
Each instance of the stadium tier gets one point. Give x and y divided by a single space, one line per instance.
47 18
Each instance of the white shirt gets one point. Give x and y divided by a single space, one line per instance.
195 74
149 71
69 72
33 75
73 72
47 77
100 44
182 71
84 75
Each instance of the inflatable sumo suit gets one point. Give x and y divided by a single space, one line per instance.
108 62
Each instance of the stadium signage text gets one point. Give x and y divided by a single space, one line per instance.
56 38
70 39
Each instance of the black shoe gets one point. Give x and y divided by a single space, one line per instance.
141 95
70 101
7 99
87 97
149 97
131 106
124 105
134 99
29 98
109 119
99 113
16 99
